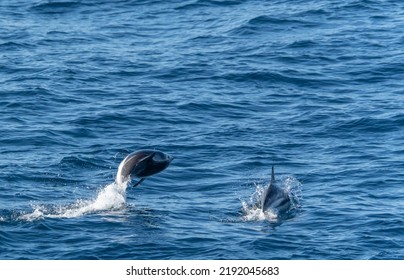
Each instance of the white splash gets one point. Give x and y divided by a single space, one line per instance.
112 197
255 213
252 210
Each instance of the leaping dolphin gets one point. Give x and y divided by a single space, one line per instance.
142 164
275 198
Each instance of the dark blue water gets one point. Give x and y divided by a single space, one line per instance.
226 87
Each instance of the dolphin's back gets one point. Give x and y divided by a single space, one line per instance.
275 197
142 164
131 164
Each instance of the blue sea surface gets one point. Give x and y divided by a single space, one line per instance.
227 87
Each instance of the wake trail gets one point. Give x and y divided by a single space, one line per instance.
111 197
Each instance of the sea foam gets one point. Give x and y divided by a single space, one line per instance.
111 197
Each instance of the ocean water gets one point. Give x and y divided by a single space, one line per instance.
229 88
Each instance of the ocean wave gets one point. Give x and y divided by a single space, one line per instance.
56 7
209 3
265 24
368 125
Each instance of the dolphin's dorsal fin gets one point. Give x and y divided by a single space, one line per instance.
273 176
149 157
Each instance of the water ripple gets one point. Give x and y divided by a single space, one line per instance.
227 87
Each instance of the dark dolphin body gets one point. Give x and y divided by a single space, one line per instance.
275 198
142 164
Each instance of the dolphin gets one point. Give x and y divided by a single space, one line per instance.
275 198
142 164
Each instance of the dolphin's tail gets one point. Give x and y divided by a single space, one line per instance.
273 176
